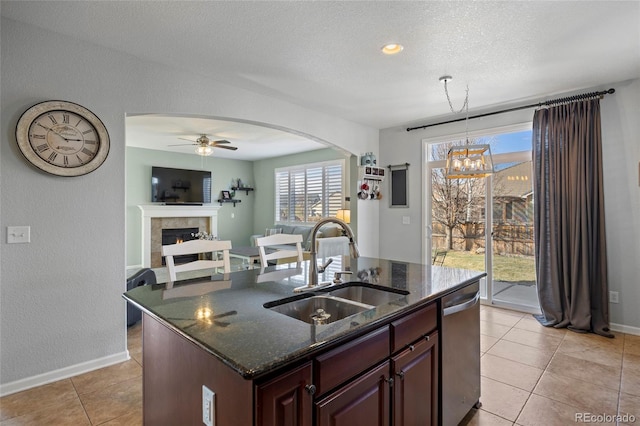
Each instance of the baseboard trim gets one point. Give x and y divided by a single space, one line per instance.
62 373
625 329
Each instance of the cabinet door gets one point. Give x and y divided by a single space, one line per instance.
415 388
364 402
286 400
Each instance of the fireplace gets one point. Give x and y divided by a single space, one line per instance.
179 235
156 217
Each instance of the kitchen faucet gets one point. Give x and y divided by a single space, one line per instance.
313 263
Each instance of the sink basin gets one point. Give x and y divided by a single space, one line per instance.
319 310
368 295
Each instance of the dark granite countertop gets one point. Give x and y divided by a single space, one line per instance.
224 314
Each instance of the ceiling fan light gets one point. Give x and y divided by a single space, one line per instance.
204 150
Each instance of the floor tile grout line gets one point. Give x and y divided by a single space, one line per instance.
624 350
84 409
540 378
544 371
573 378
513 422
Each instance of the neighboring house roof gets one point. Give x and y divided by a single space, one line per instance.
514 181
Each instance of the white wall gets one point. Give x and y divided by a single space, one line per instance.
621 154
60 295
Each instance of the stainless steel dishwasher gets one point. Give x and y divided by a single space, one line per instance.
460 353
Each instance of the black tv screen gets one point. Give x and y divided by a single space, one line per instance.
180 186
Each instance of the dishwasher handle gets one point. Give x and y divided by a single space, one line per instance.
462 306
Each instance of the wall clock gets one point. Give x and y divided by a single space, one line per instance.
62 138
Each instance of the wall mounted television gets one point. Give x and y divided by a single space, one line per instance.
180 186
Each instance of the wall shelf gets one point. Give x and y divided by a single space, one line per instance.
371 173
220 200
244 188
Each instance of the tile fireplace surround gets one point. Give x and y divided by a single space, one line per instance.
156 217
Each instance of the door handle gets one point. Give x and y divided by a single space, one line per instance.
461 307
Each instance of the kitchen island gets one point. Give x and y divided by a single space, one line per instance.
265 367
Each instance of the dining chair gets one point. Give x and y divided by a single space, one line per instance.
205 247
438 257
278 240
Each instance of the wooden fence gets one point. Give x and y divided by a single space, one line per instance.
508 239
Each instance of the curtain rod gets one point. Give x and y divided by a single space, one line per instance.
538 105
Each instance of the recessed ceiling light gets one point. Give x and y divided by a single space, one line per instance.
392 48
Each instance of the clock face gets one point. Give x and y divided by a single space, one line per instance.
62 138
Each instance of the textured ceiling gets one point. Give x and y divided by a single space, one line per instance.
326 55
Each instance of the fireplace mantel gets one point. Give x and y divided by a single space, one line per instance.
150 211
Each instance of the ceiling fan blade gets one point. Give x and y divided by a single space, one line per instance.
232 148
219 142
190 140
184 144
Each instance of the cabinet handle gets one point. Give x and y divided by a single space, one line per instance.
400 374
426 337
311 389
412 348
389 380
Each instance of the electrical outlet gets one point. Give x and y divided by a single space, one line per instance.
613 297
208 406
406 220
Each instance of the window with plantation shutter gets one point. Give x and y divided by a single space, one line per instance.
309 192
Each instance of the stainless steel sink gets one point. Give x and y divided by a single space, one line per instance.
319 310
375 296
335 303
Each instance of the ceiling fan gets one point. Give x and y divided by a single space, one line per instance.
205 145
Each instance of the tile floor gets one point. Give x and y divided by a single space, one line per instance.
111 396
531 375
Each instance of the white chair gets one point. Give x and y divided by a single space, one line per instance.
280 253
196 247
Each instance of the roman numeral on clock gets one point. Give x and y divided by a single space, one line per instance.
42 147
53 119
52 157
87 152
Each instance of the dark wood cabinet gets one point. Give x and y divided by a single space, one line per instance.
388 376
415 388
286 400
174 371
350 359
413 326
363 402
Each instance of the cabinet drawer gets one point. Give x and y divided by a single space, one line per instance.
350 359
414 326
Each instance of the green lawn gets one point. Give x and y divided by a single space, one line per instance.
505 268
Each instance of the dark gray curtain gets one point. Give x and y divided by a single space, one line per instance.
571 256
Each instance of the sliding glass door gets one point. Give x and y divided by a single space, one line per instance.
486 224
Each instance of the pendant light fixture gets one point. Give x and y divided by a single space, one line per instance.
468 160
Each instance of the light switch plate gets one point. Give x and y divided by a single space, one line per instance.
406 220
18 234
